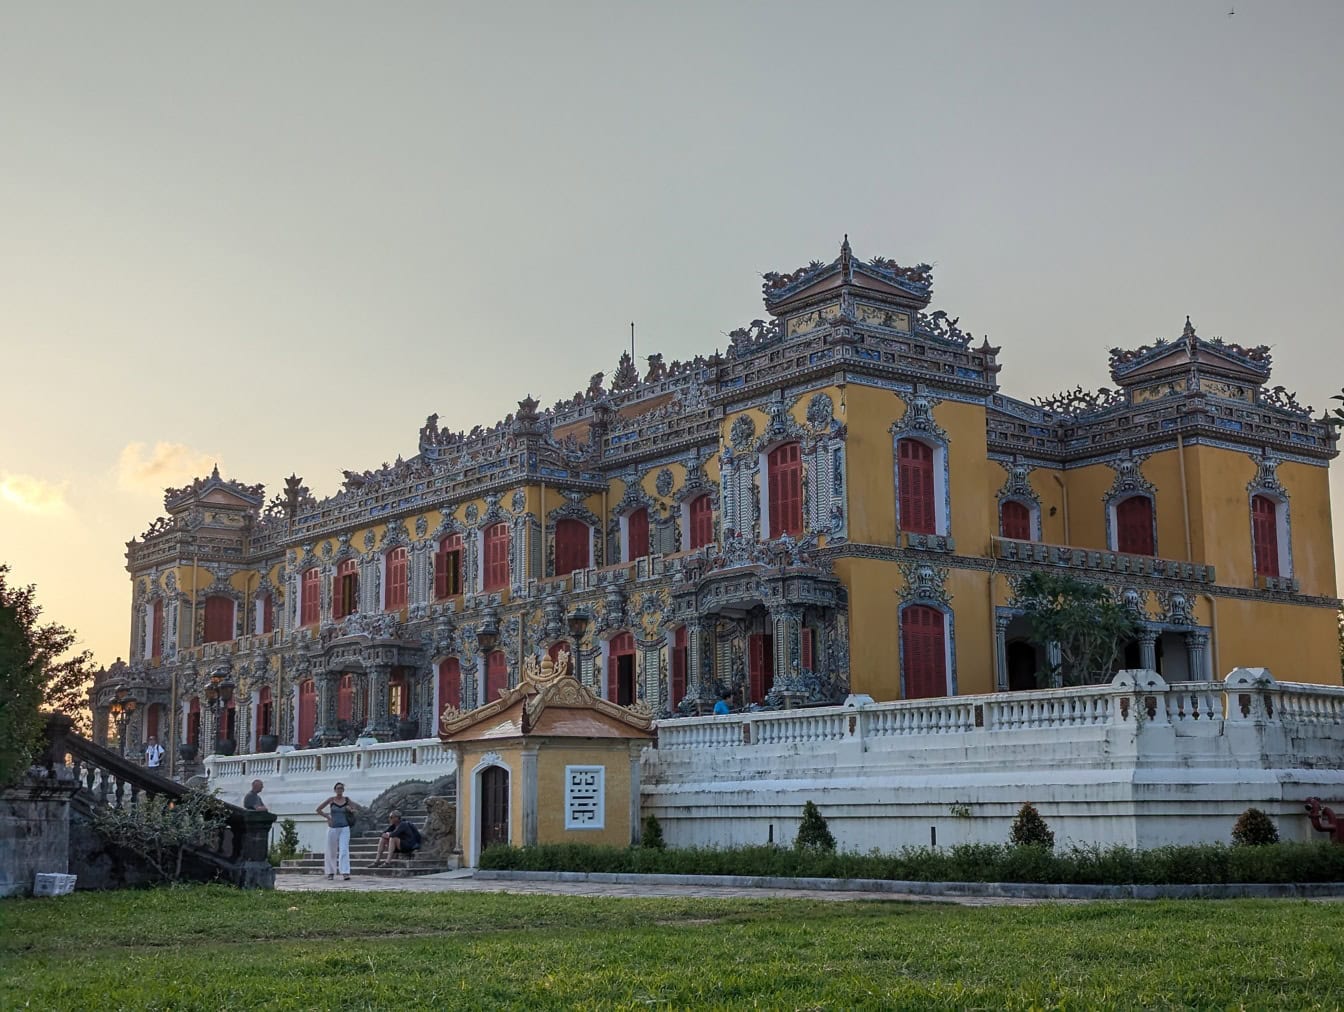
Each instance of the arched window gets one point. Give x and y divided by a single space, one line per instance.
450 684
194 721
914 477
345 591
621 669
218 619
1265 531
1134 526
572 542
923 652
310 597
156 630
496 675
307 719
1015 520
152 720
784 468
265 711
760 665
345 698
702 521
637 535
448 567
394 592
680 656
496 540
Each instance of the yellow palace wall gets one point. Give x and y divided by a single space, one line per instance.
552 758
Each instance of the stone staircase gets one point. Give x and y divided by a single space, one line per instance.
364 849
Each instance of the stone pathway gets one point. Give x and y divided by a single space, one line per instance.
462 881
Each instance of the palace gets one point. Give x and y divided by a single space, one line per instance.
842 502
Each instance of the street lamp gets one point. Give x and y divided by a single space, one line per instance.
123 706
487 636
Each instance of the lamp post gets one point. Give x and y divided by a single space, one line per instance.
217 696
487 636
123 706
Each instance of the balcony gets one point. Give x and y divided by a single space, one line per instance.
1092 560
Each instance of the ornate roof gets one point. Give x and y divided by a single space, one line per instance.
178 499
1189 352
917 281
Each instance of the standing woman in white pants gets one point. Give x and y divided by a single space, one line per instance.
338 832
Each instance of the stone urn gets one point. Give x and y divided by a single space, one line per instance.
267 742
225 746
408 730
186 751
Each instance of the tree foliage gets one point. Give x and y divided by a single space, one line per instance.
813 833
652 835
160 829
1254 829
1030 830
1083 619
36 670
1335 416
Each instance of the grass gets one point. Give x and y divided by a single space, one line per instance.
212 948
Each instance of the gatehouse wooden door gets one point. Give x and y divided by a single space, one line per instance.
494 806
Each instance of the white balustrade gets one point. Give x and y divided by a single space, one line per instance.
381 758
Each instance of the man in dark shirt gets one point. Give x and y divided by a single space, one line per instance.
399 838
252 800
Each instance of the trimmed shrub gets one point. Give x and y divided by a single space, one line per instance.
1254 829
651 838
287 847
1030 830
813 833
1317 861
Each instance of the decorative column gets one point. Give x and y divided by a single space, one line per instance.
326 733
1196 648
1001 623
697 677
530 796
786 623
1147 648
380 723
1053 657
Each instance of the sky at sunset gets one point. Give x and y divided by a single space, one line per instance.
277 236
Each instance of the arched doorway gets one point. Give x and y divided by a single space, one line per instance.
493 787
1022 667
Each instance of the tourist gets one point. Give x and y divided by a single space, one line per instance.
252 800
338 832
722 707
153 753
399 838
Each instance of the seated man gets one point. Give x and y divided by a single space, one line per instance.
399 838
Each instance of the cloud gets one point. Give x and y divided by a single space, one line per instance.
32 495
142 469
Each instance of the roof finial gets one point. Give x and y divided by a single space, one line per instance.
1189 331
215 473
846 259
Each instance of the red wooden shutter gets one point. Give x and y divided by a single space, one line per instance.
267 614
1265 529
307 711
156 631
450 684
310 600
808 645
680 654
1015 521
496 675
395 595
448 567
760 665
702 521
345 698
152 721
218 619
571 546
637 535
345 591
915 477
923 652
497 557
264 709
1134 526
194 721
784 466
620 646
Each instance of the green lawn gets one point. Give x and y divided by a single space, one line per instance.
214 948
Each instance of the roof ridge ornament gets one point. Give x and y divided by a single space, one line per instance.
846 259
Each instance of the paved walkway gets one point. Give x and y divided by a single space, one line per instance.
463 882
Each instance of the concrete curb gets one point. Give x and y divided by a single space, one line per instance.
1010 890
